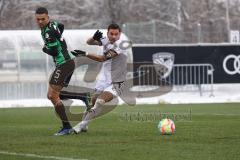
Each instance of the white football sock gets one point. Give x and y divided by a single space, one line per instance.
91 114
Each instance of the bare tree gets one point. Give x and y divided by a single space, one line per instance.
168 21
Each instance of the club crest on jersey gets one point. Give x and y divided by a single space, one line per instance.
108 55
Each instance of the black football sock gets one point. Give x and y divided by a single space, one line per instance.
59 108
71 95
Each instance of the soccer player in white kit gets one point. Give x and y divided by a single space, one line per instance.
110 84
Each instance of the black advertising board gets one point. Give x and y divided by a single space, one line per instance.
225 58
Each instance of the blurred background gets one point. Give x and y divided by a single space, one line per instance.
152 21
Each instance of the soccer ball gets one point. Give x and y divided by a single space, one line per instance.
166 126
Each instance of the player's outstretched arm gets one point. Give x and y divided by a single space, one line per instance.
100 58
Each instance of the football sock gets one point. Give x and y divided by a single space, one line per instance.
92 113
72 95
60 110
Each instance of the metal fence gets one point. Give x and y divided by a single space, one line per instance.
158 33
183 77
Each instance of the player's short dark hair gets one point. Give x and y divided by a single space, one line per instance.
41 10
114 26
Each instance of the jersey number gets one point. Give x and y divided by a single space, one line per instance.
57 75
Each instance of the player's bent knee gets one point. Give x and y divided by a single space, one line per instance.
51 96
100 101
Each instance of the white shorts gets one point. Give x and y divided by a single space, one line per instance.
114 88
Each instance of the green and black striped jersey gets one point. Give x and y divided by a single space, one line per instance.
55 45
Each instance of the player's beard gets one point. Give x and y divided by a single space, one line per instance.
41 26
112 40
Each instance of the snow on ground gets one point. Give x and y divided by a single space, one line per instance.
223 93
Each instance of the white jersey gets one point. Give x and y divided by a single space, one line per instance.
113 70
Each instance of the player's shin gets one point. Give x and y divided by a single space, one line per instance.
89 115
95 111
60 110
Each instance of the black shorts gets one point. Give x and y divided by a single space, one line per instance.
62 74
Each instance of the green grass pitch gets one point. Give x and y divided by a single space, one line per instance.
213 133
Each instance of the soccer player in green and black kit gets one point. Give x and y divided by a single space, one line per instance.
55 46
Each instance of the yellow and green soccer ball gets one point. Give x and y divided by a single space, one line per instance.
166 126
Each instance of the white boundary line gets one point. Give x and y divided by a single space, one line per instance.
36 156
